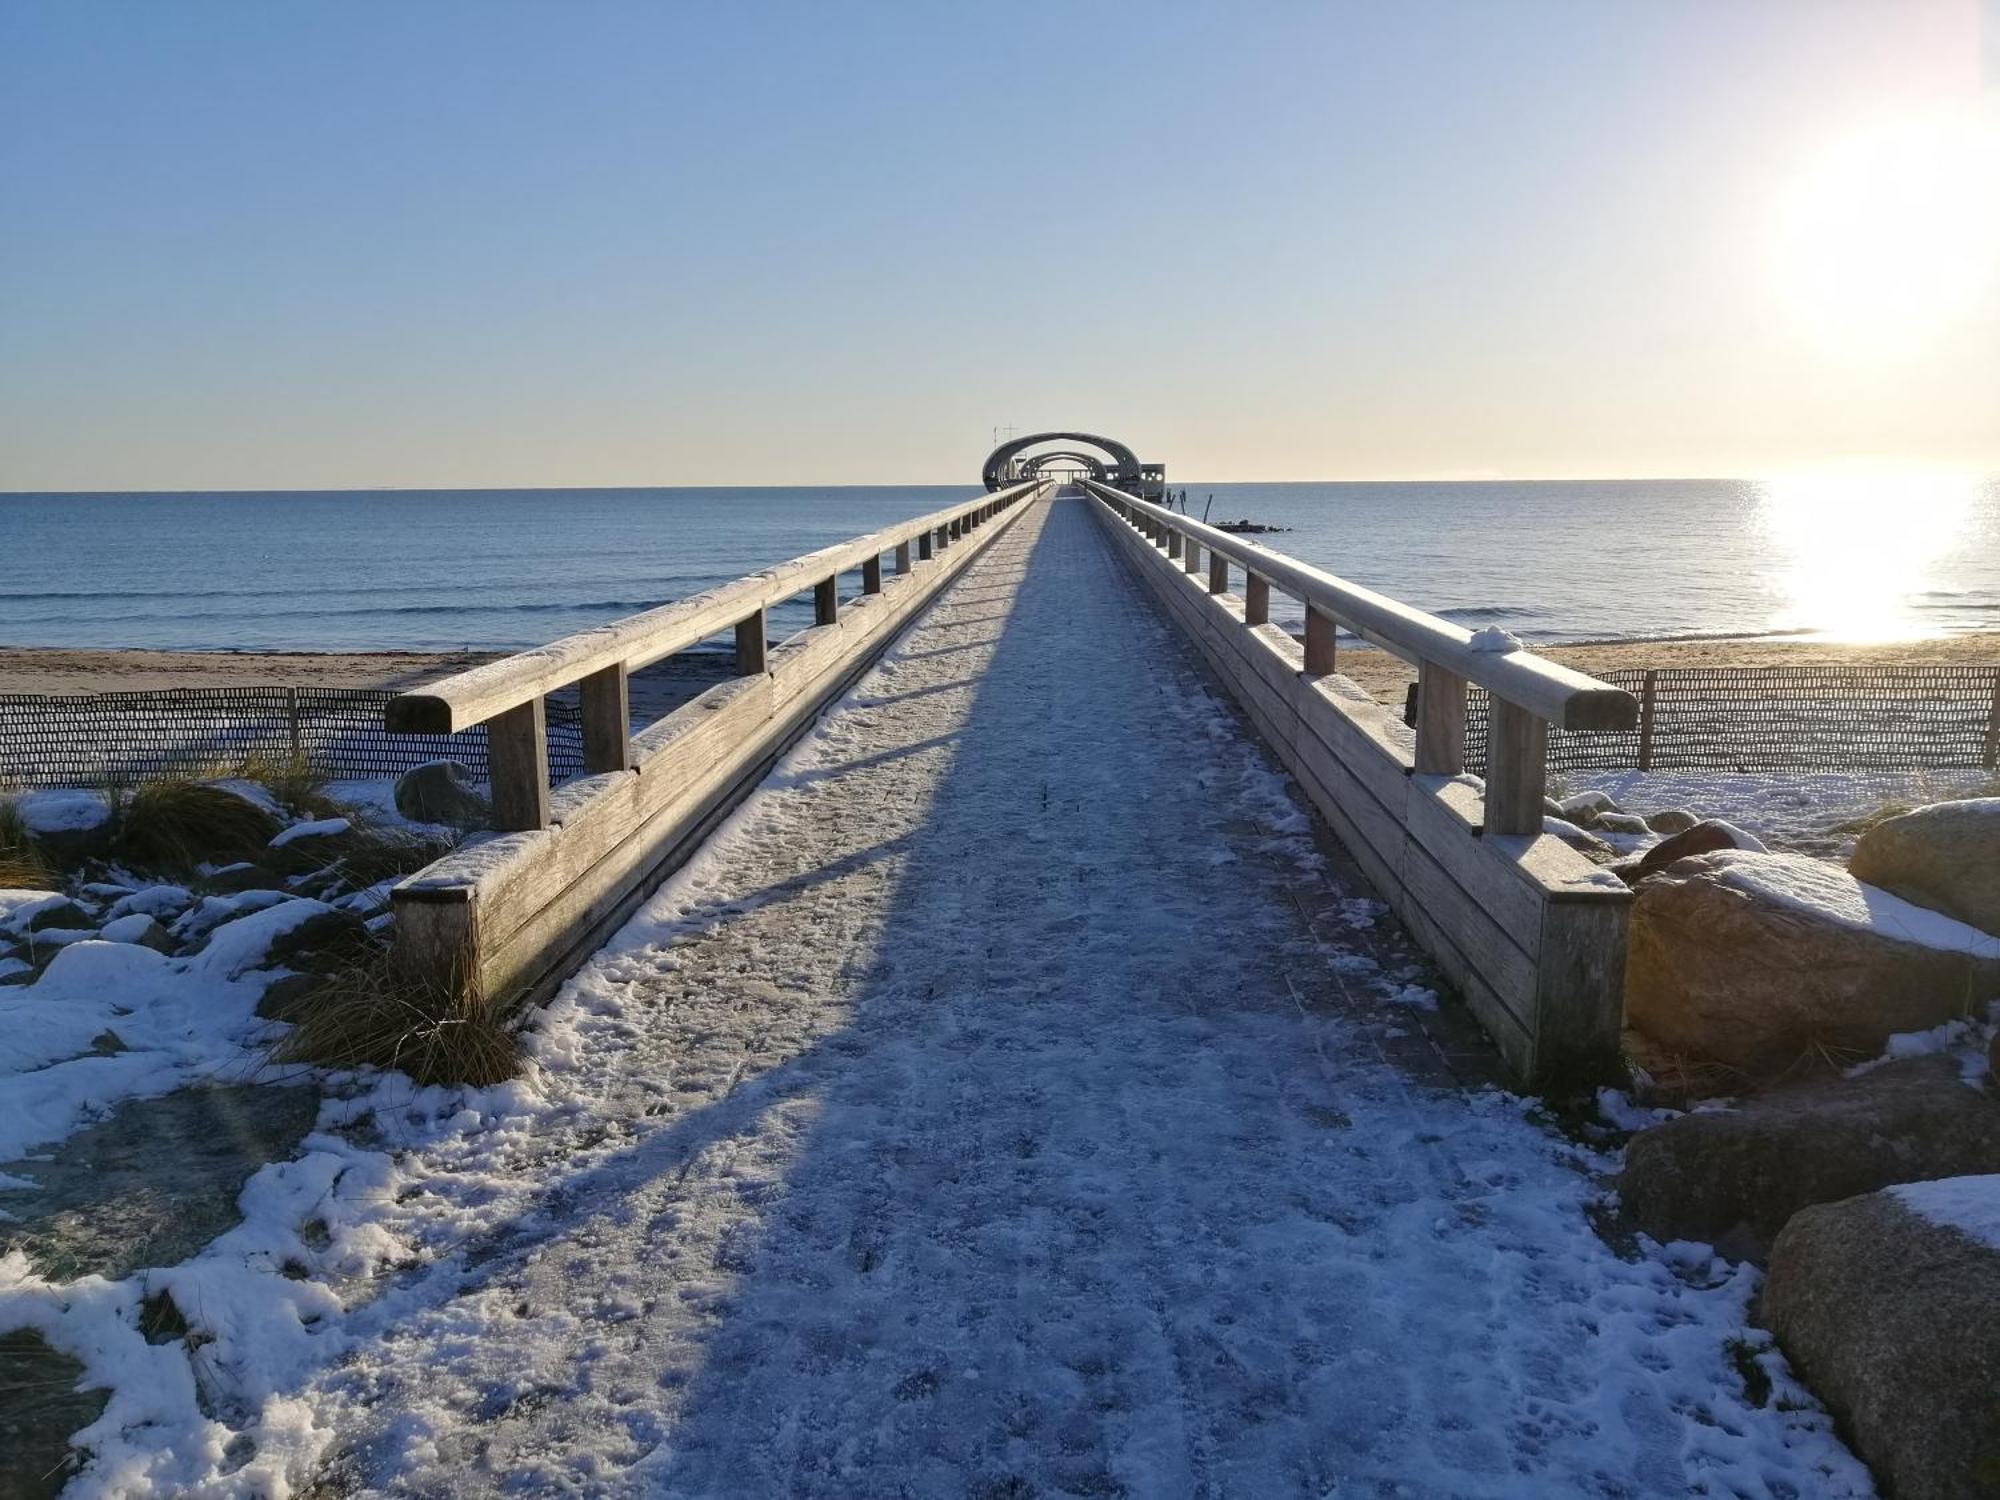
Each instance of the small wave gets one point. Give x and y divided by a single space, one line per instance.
1484 612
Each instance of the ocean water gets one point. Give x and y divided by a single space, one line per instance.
1883 557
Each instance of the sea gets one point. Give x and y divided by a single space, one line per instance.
1855 556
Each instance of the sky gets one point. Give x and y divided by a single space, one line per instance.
276 244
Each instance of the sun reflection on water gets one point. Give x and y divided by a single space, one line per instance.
1850 553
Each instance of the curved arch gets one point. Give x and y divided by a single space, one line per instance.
1036 463
1125 463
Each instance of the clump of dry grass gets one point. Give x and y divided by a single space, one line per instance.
378 1013
290 779
22 867
171 824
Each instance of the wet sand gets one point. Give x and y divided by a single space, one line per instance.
56 670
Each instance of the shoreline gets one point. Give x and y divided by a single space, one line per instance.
74 672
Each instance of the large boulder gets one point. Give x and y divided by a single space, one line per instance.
1945 857
442 791
1757 962
1889 1306
1733 1177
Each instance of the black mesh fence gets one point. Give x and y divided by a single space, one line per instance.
114 738
1834 718
1828 718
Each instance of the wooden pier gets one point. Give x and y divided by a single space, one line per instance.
1529 931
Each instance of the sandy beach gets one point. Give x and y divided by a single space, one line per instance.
65 671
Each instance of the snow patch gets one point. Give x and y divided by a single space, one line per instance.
1971 1205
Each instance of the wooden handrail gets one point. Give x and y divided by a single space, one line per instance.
1545 689
483 693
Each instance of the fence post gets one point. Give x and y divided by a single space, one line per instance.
295 736
1646 707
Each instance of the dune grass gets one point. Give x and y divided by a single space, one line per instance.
290 779
375 1012
172 824
22 867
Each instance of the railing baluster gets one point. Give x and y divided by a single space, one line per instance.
1173 543
1440 721
1517 765
1256 599
903 557
826 601
1218 573
1320 636
871 574
751 643
606 697
926 545
517 766
1191 555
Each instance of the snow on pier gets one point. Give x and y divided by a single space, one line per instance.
1010 1099
1015 1096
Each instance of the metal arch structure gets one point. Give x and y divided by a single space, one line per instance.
1124 471
1092 465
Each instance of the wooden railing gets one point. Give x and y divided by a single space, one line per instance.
506 695
514 909
1529 692
1530 931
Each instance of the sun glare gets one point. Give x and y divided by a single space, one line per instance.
1892 237
1850 552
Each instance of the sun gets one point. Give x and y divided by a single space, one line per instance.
1891 238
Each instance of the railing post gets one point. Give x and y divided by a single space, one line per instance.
1320 650
903 557
517 767
1992 755
826 601
1517 768
1647 695
926 544
1218 573
1440 721
1191 556
751 642
1173 543
606 696
871 575
1256 599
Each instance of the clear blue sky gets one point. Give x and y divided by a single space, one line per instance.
266 244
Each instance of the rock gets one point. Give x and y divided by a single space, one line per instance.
137 927
1583 809
162 901
1618 822
45 911
1893 1318
441 791
1945 856
40 1406
1733 1177
1551 808
287 995
1759 961
1706 837
69 825
329 929
1671 820
233 879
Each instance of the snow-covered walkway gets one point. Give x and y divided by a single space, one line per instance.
1009 1102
